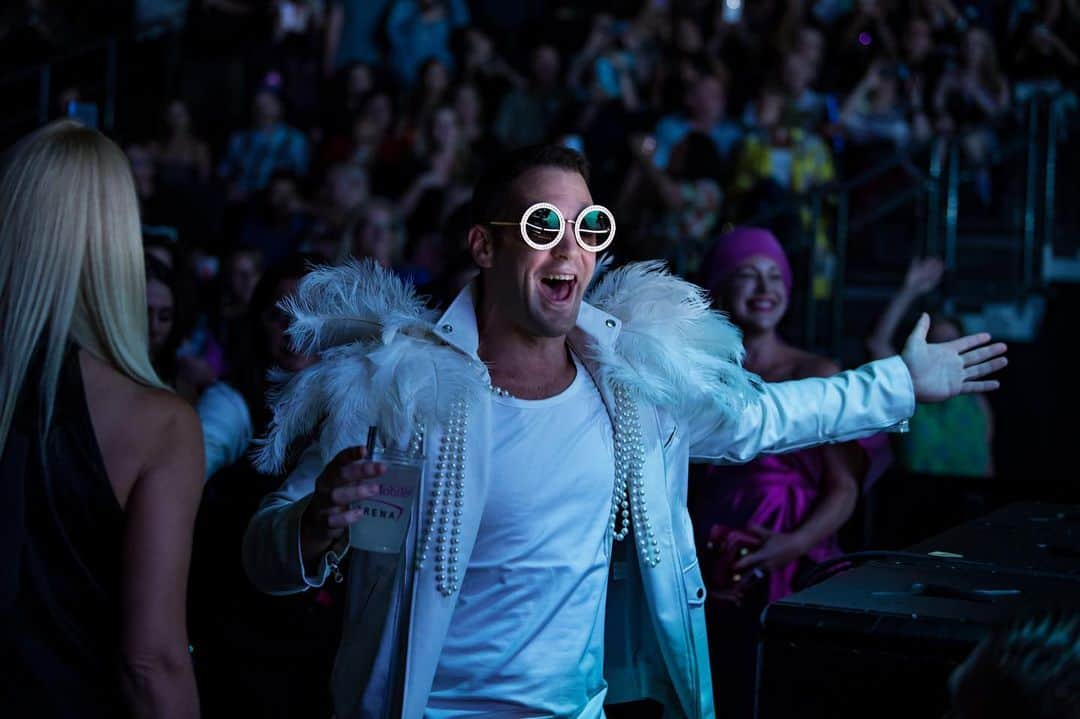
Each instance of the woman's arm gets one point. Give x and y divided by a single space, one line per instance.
834 507
922 276
158 675
840 490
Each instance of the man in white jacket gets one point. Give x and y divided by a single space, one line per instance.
550 565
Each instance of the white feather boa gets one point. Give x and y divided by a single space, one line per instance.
383 365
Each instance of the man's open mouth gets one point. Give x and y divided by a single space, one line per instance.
558 287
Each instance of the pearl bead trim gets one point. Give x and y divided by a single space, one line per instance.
628 500
445 507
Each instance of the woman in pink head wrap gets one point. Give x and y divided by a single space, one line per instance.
758 523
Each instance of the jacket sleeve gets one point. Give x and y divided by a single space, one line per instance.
271 550
787 416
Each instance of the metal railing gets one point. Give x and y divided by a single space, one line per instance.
936 174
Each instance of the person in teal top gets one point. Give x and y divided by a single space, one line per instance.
954 437
951 438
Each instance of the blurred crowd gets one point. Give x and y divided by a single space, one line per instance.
356 128
259 129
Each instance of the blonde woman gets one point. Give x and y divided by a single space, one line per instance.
101 468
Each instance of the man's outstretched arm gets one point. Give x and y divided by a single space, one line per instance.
879 396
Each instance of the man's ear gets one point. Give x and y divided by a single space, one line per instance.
482 247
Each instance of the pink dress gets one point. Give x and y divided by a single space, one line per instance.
776 492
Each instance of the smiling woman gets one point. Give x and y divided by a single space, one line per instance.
756 524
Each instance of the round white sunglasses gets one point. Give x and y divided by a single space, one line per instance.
542 226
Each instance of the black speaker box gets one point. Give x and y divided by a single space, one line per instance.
881 639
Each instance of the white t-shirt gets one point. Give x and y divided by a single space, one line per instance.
527 635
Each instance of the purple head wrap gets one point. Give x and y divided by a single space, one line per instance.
734 248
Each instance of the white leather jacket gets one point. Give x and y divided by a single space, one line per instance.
655 640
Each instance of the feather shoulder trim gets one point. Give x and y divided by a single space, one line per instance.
381 365
674 350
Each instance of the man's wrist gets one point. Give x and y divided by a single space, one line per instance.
312 545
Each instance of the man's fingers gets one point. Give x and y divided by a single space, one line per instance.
921 328
981 370
359 471
982 354
973 387
344 495
964 344
348 456
338 520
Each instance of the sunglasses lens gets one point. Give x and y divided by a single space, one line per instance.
595 228
542 226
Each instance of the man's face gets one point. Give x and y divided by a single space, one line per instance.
540 291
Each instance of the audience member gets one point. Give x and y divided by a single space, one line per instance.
269 655
527 115
757 524
270 145
352 30
279 221
181 157
101 463
419 30
954 438
970 99
705 106
875 114
778 159
1029 667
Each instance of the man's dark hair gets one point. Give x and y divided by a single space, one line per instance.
1027 668
492 196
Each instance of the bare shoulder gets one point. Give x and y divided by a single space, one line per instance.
141 431
145 412
167 415
808 364
173 457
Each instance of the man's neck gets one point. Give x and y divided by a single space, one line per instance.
526 366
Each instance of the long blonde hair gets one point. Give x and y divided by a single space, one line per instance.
71 262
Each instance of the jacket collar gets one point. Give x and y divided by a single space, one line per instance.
457 326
